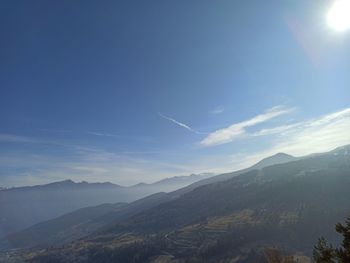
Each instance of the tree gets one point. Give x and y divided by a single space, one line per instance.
326 253
323 252
343 253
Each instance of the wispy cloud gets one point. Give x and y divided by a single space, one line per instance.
14 138
55 130
217 110
140 138
180 124
11 138
283 129
237 130
316 135
102 134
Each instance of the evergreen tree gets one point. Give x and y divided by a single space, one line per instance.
343 253
323 252
326 253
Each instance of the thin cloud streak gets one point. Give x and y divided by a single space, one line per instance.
180 124
237 130
55 130
119 136
217 110
102 134
11 138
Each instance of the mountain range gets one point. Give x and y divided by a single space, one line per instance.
286 204
70 226
43 202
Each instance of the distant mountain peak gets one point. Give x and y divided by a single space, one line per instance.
83 183
281 154
277 158
140 185
57 184
64 182
342 150
179 179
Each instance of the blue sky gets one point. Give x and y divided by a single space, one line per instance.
130 91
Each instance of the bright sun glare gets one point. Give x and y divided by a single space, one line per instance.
339 15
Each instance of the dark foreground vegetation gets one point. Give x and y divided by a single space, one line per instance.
327 253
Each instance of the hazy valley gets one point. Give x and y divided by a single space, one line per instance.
44 202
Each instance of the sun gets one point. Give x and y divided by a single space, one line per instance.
338 16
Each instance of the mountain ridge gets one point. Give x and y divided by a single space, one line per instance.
68 196
277 158
284 204
178 193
